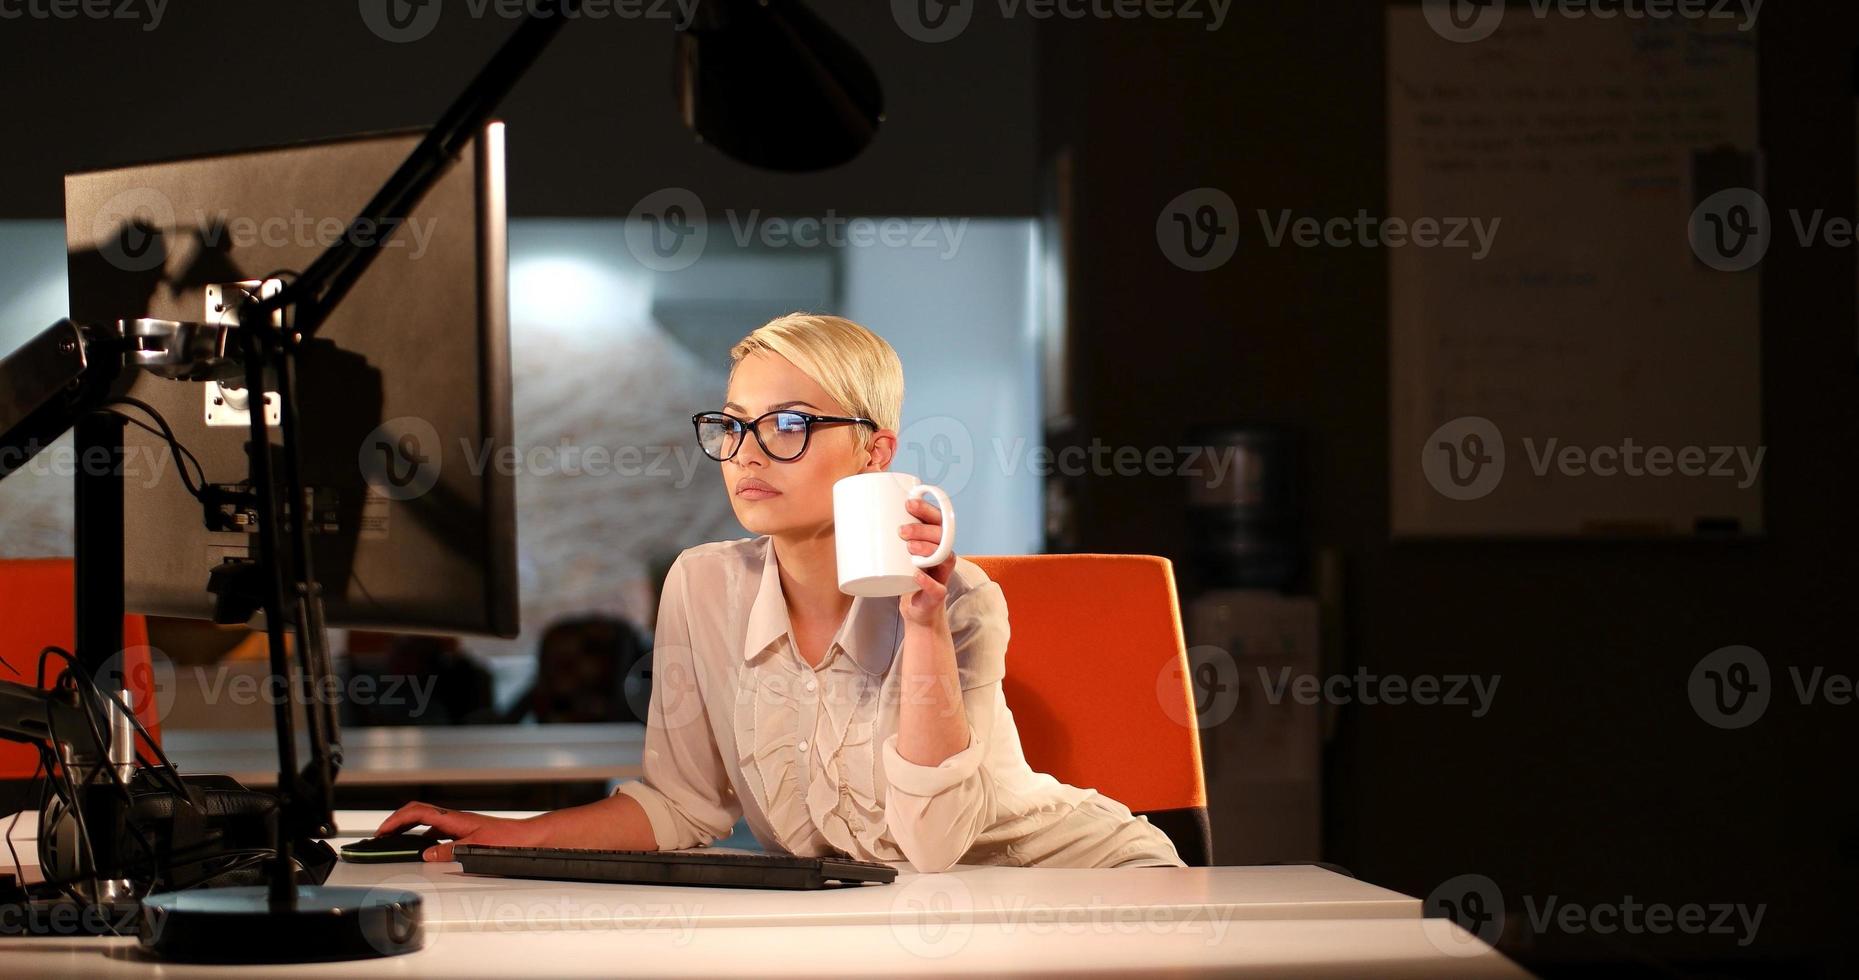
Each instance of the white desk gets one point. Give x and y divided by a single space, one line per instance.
1381 948
1273 921
1186 897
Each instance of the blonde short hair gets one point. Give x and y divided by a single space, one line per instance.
853 364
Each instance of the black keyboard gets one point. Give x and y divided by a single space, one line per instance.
721 867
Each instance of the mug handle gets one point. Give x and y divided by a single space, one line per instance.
944 504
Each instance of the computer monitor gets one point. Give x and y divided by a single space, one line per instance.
404 393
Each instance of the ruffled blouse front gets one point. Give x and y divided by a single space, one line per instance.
813 756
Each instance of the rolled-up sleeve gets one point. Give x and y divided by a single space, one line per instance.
686 792
937 812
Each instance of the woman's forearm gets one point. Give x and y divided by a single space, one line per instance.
932 722
614 823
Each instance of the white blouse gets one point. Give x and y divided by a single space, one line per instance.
741 726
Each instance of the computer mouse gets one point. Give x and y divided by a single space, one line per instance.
389 847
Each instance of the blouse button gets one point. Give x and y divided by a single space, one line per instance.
811 685
803 745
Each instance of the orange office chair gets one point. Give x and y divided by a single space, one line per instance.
38 609
1098 685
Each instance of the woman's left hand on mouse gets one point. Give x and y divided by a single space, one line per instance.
463 826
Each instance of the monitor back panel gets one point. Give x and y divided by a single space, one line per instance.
404 394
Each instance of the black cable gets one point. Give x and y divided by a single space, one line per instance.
45 791
167 432
166 767
175 448
244 857
182 798
74 673
68 793
19 873
56 792
161 764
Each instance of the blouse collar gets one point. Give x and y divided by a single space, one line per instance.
871 635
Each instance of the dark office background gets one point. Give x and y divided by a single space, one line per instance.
1592 779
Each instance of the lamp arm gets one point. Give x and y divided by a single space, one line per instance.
271 331
322 286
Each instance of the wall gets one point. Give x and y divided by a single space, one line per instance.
1592 778
961 320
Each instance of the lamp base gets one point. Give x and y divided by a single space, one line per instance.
240 925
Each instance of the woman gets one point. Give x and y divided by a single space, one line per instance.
869 727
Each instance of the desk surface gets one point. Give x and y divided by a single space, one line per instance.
1184 897
430 754
1384 948
1271 921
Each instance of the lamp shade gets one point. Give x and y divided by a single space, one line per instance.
770 84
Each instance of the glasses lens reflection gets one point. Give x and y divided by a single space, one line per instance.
783 435
718 436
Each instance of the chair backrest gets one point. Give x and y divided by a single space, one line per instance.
582 668
462 690
38 609
1098 685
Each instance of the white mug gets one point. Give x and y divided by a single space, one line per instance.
867 511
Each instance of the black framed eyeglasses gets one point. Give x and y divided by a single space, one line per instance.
783 434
